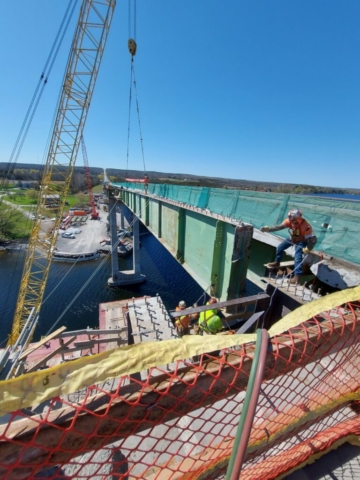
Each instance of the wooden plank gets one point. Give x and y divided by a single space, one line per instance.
41 343
109 340
84 344
94 331
50 355
290 263
285 354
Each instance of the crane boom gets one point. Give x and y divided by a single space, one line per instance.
78 85
94 213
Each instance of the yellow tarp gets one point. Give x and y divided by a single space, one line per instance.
34 388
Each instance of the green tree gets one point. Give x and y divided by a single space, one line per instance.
32 195
12 196
9 219
83 199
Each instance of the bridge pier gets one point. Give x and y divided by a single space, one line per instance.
124 277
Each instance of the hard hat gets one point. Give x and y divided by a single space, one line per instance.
182 304
294 214
212 300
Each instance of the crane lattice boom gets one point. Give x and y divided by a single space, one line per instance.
79 81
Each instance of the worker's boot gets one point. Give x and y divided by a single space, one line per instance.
273 264
295 279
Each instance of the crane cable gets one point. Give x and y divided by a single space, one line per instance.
128 136
132 42
44 77
132 49
132 34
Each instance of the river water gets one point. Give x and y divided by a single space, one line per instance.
338 196
164 275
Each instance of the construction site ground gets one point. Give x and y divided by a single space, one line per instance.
92 232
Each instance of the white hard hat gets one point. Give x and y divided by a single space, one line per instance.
294 214
182 304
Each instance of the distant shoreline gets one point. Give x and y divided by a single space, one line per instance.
336 196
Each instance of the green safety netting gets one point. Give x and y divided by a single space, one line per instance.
336 223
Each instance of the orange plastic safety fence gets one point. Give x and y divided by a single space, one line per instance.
181 423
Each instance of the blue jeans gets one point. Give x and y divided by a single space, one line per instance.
298 253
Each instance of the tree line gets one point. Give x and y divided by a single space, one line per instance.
33 172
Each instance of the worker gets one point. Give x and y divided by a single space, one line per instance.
183 323
301 235
209 322
146 183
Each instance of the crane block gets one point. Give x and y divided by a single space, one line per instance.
132 46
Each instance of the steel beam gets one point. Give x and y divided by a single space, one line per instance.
212 249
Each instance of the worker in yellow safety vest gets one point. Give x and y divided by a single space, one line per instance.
209 322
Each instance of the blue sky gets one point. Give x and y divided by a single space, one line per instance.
263 90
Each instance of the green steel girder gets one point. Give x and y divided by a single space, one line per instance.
217 269
180 254
240 260
154 217
159 234
147 212
212 251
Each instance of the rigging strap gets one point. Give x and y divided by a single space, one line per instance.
132 49
132 46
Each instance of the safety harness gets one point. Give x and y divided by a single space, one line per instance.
203 325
